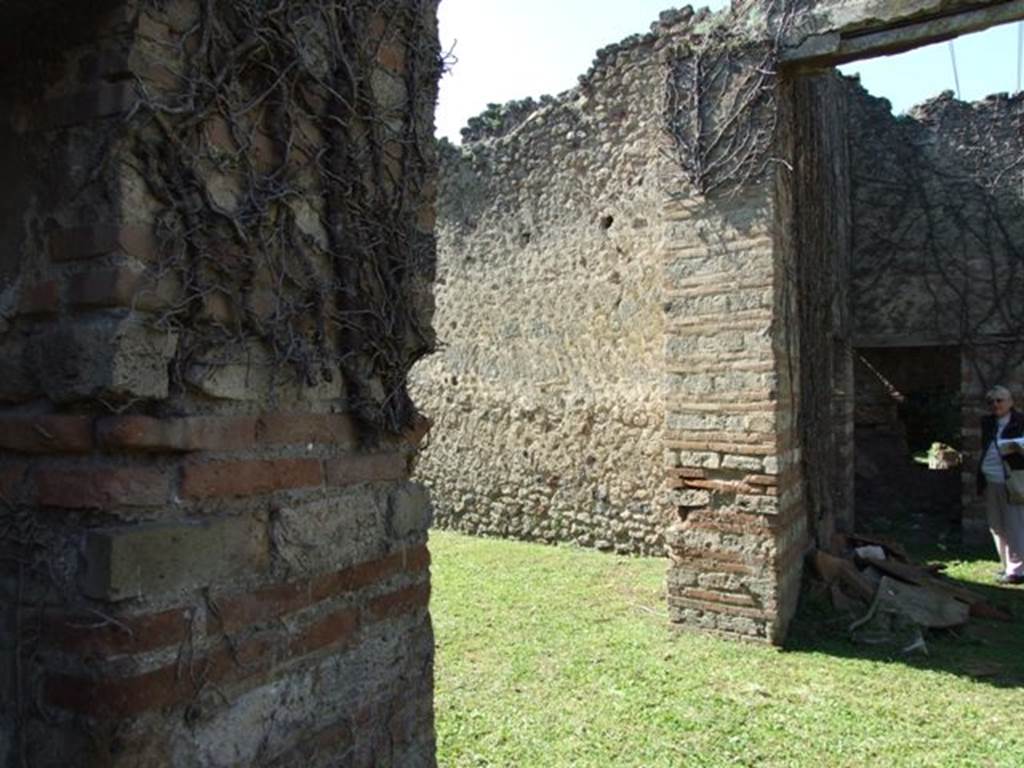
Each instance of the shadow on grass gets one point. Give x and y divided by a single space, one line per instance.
985 650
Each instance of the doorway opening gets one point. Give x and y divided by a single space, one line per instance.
930 205
907 437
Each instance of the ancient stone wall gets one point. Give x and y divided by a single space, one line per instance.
620 293
938 238
547 390
725 452
757 364
216 243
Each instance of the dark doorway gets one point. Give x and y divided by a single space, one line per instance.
908 437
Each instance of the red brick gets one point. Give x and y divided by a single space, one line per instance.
301 428
719 486
248 478
100 488
90 634
690 473
769 480
743 449
236 612
263 605
241 660
11 478
711 566
196 433
40 299
46 434
334 628
366 468
717 558
716 607
705 519
363 575
119 697
92 240
398 603
732 598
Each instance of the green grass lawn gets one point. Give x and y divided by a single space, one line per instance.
560 657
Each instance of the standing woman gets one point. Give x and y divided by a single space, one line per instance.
1005 520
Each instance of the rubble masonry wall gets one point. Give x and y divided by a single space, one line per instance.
546 393
621 359
212 555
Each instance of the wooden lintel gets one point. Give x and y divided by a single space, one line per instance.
839 47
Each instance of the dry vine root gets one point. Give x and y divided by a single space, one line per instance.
720 113
283 144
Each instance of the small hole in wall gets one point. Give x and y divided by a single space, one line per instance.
607 221
524 238
455 381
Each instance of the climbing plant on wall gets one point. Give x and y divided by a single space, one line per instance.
940 222
282 143
720 112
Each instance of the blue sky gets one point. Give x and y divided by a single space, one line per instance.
510 50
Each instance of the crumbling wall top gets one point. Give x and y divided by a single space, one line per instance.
499 120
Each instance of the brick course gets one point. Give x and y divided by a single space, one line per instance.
101 487
336 429
247 478
46 434
198 433
90 634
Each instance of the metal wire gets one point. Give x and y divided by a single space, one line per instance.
956 75
1020 52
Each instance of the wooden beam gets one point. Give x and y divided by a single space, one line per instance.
896 341
839 47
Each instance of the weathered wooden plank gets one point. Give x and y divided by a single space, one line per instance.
839 46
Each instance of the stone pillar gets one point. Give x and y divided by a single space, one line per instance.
215 252
732 352
729 450
758 409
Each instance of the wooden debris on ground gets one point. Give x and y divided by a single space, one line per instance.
896 597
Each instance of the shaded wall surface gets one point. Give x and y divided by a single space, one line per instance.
939 239
212 553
